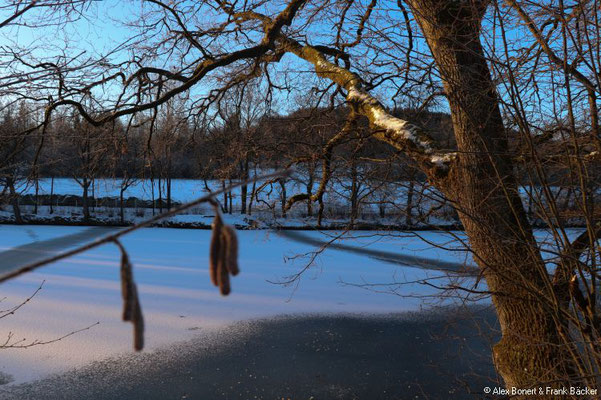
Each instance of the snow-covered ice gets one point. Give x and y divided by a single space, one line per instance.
170 267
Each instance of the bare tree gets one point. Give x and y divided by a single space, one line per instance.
16 137
367 58
89 146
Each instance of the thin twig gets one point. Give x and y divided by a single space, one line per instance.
5 313
18 345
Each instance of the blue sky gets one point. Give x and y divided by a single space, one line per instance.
101 30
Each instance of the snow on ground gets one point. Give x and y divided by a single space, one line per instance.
378 207
177 297
183 190
337 198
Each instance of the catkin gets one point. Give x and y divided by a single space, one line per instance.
132 311
223 254
216 248
223 274
138 322
127 287
231 245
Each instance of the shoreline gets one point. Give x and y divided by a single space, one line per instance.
61 221
202 226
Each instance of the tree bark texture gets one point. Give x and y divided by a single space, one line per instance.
483 188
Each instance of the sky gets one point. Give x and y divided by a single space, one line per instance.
94 30
101 29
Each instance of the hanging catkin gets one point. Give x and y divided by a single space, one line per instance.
215 250
223 254
132 311
231 244
223 274
127 287
138 321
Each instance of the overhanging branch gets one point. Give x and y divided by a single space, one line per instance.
397 132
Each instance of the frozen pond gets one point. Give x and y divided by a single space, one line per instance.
178 301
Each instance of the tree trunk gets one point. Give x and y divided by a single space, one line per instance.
169 178
121 214
354 192
382 207
169 192
253 192
484 189
152 191
243 196
14 200
244 187
409 208
230 199
224 206
93 184
283 196
85 205
52 195
160 196
530 195
311 173
37 193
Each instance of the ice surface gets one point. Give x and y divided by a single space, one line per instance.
170 266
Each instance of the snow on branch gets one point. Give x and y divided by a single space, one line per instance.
399 133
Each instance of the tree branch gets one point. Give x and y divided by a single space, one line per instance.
397 132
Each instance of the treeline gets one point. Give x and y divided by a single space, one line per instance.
235 146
